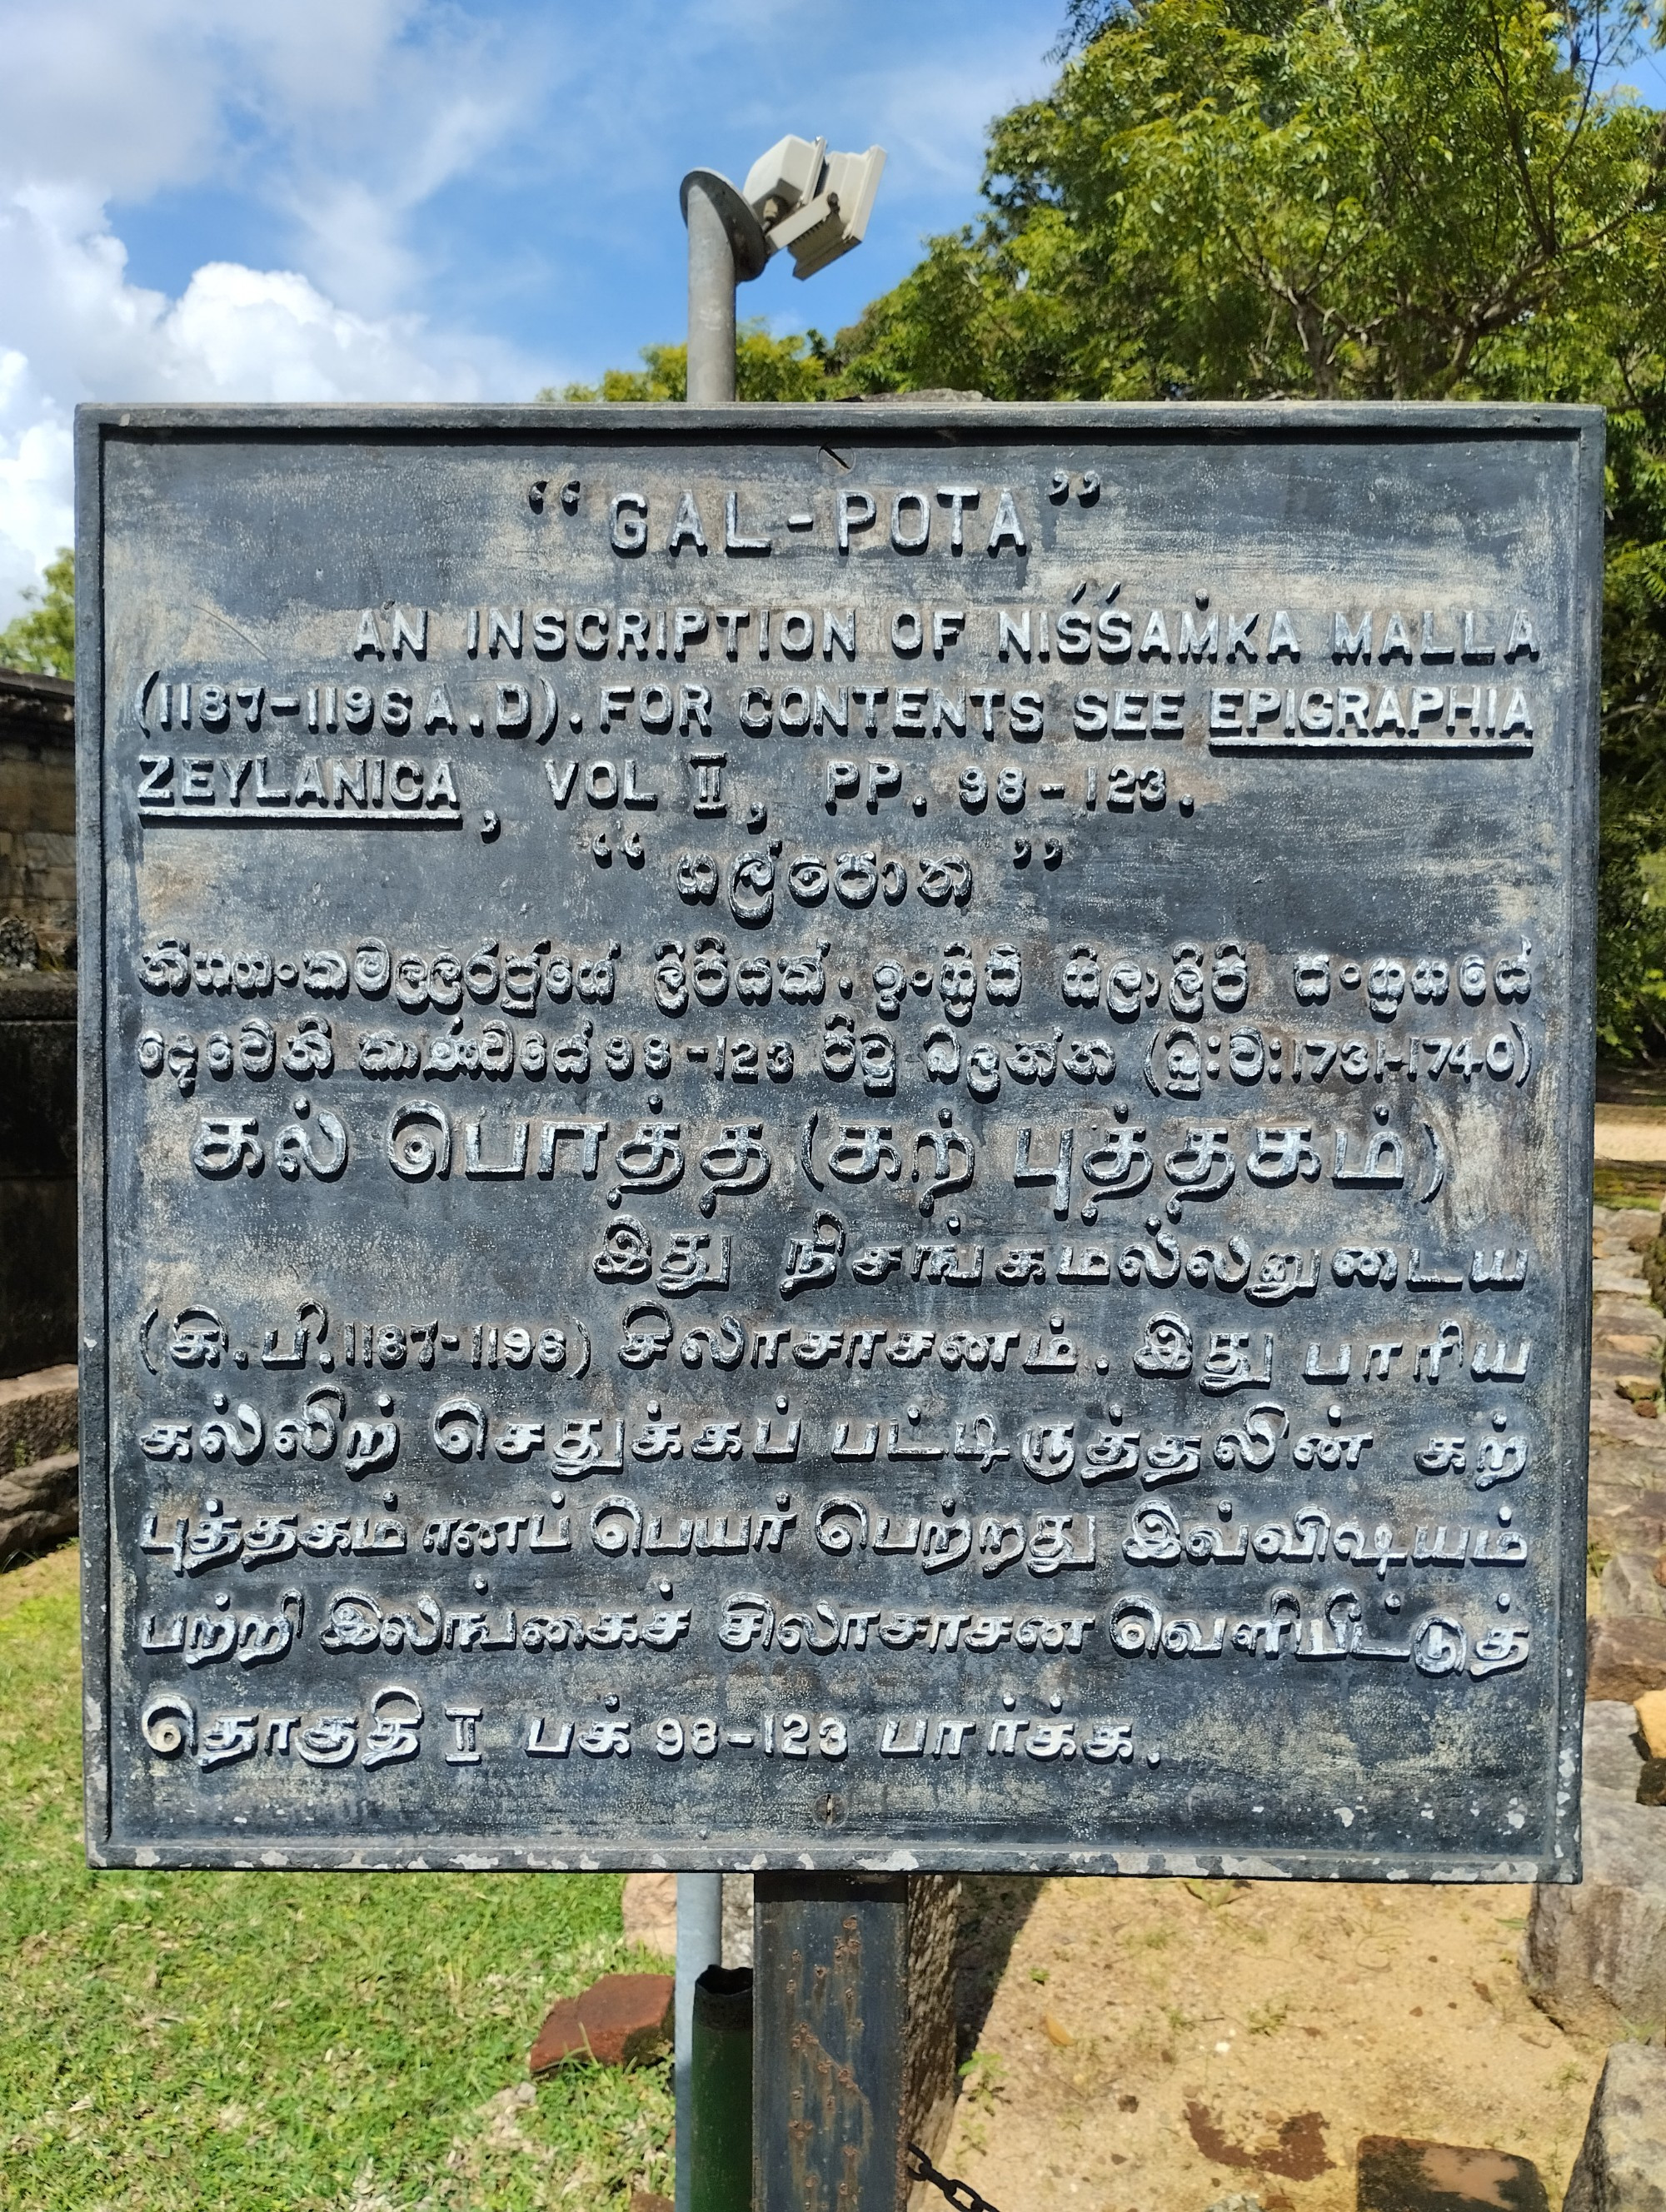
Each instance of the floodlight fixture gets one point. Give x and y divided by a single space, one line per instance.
787 175
813 202
797 198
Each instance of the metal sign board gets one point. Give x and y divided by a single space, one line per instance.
837 1137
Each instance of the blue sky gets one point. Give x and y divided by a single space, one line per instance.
555 225
402 199
429 198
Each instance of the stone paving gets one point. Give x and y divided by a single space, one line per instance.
1627 1511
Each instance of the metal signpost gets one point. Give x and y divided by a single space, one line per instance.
794 197
837 1140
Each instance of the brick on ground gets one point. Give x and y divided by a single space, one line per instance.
619 2020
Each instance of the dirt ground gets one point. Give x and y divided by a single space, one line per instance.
1151 2046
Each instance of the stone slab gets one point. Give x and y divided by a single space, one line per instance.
1631 1590
1628 1305
1630 1139
1614 1419
1594 1957
1624 1658
1397 2173
40 1506
1634 1343
1631 1445
38 1413
1621 2166
1629 1520
1612 1759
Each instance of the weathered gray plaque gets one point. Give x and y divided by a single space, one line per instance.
837 1137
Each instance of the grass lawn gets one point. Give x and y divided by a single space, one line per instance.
1641 1187
246 2042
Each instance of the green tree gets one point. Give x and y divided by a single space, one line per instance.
1632 925
1363 199
793 368
1366 199
43 641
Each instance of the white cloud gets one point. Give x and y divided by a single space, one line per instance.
268 334
79 329
338 122
403 166
35 516
137 95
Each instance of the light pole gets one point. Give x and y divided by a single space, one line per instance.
797 196
699 1931
817 205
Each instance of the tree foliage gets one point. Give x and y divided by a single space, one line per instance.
1368 199
1356 199
43 642
1631 929
792 368
1359 199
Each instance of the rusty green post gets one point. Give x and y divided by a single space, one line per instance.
721 2146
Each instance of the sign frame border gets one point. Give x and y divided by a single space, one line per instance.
898 421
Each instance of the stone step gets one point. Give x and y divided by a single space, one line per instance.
1624 1658
37 1416
39 1506
1632 1588
40 1490
1622 2165
1594 1956
1633 1520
